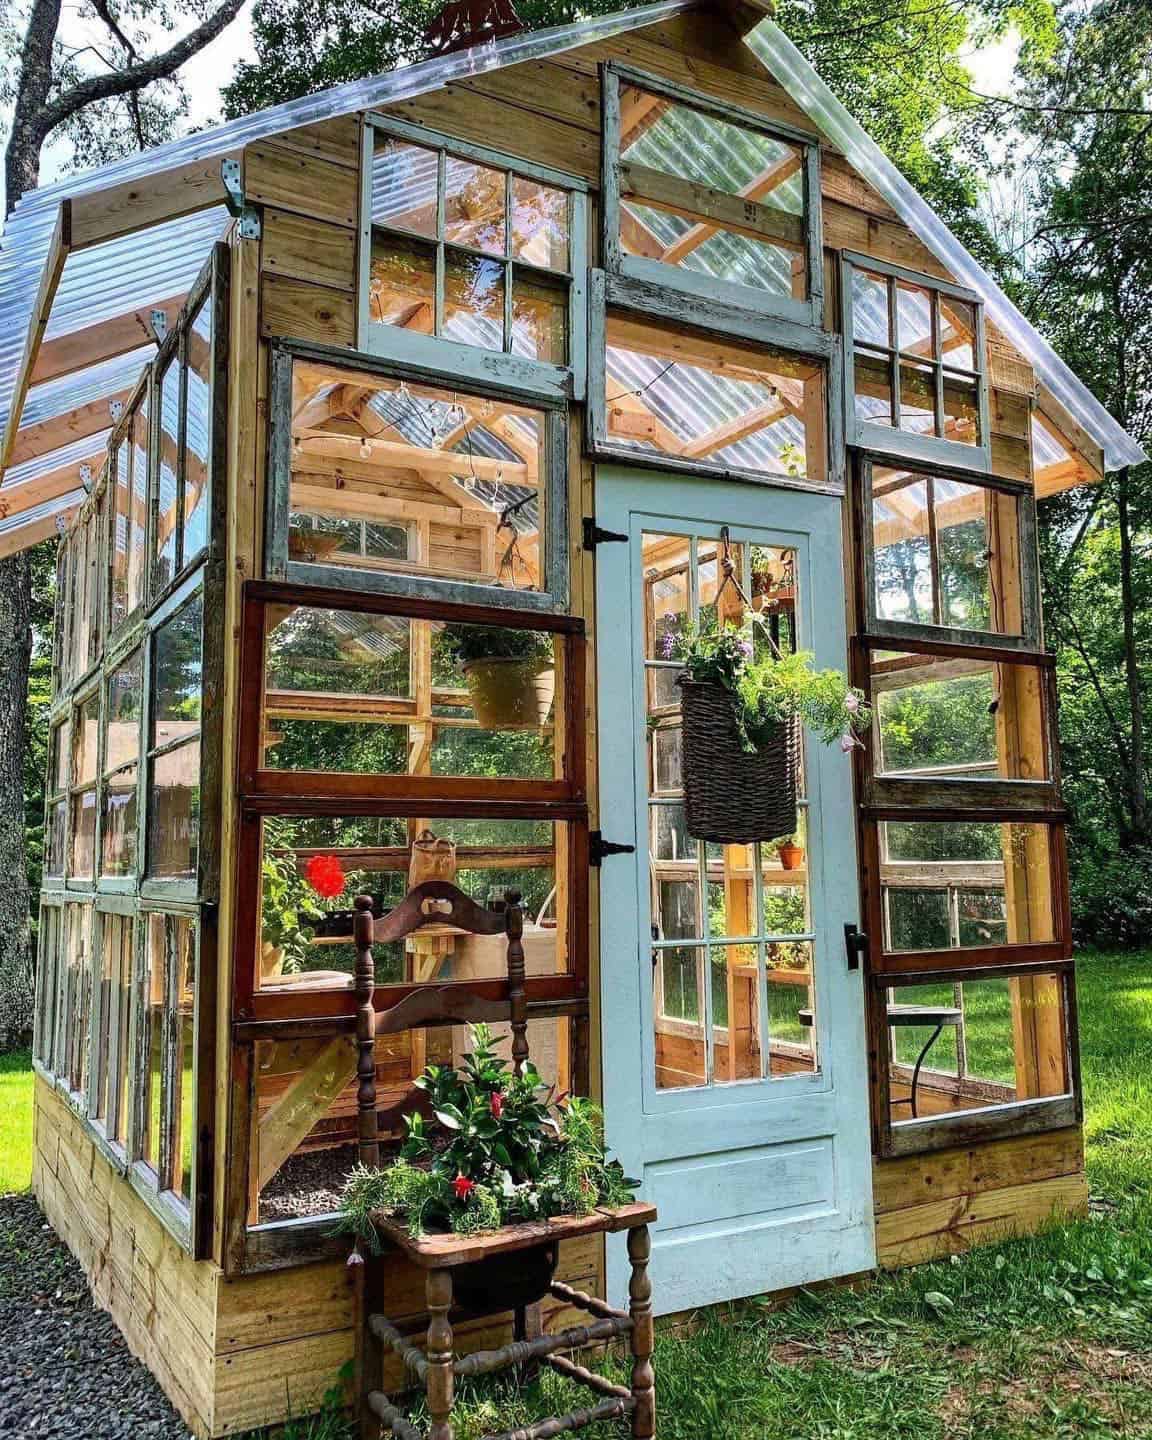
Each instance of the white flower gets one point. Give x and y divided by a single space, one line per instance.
848 741
851 703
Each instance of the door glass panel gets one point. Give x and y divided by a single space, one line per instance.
731 936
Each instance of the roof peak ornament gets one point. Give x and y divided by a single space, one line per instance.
461 24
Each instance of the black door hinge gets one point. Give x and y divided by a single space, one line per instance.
856 944
598 847
593 535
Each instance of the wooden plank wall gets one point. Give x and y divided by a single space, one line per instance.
930 1206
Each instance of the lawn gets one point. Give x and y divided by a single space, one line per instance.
1036 1339
15 1121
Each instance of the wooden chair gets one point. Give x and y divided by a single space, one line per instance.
441 1257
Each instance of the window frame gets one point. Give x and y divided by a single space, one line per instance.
122 435
1028 642
929 450
976 1126
710 298
278 565
472 362
92 688
640 301
124 650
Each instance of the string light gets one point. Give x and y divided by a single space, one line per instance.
365 450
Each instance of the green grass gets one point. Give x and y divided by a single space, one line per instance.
15 1121
1043 1338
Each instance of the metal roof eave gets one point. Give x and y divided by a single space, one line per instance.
790 69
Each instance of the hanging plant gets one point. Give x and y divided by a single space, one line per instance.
510 674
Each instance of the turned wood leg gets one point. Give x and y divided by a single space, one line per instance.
528 1324
369 1373
438 1290
640 1309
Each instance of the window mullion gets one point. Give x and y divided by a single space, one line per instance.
438 299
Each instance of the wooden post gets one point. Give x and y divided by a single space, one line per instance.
518 1001
365 982
438 1290
369 1353
640 1309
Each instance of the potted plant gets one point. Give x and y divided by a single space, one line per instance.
510 674
791 854
742 708
502 1150
291 901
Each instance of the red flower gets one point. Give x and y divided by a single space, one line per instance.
326 876
463 1187
496 1101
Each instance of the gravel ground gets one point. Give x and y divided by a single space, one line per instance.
308 1184
65 1369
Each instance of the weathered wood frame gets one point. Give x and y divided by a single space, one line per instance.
652 303
929 450
278 565
966 1127
1028 642
711 299
470 362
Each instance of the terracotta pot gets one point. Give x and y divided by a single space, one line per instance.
791 855
510 694
504 1282
271 961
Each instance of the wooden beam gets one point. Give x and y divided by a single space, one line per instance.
35 440
661 191
367 505
41 310
12 542
764 184
427 462
15 499
733 358
1072 435
306 1101
137 204
79 349
732 431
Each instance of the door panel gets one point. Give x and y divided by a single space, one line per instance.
743 1107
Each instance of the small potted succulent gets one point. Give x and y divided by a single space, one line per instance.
743 704
501 1149
293 904
510 674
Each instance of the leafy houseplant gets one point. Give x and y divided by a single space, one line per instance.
290 900
503 1151
510 674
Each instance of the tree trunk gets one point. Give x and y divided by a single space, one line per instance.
16 974
1137 784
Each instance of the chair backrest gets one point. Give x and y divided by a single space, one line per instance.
435 902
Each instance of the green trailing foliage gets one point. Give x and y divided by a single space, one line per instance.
465 643
502 1149
769 687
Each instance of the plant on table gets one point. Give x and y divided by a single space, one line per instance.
293 897
507 1150
769 687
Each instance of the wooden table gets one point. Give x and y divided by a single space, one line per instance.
436 1365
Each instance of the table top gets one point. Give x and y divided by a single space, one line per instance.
437 1252
910 1015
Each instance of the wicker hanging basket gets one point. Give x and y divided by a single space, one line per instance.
732 797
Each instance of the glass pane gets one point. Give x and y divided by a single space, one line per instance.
964 545
870 309
122 504
917 398
791 1009
948 883
166 559
961 409
314 868
79 998
58 758
872 379
85 740
539 318
759 242
969 1045
183 1112
539 224
108 1000
474 300
678 977
57 840
124 970
464 477
338 653
402 283
154 1039
198 437
174 813
118 844
404 180
139 519
474 205
901 549
730 404
123 705
957 333
735 1013
949 717
914 320
176 674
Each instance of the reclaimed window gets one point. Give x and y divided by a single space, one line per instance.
112 1003
916 382
405 482
168 1130
467 246
82 814
694 401
56 803
123 701
50 945
128 486
710 199
174 743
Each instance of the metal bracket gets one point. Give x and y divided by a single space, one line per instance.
86 476
856 944
248 219
116 411
598 848
248 224
159 324
593 535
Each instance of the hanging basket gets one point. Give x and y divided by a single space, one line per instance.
732 797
